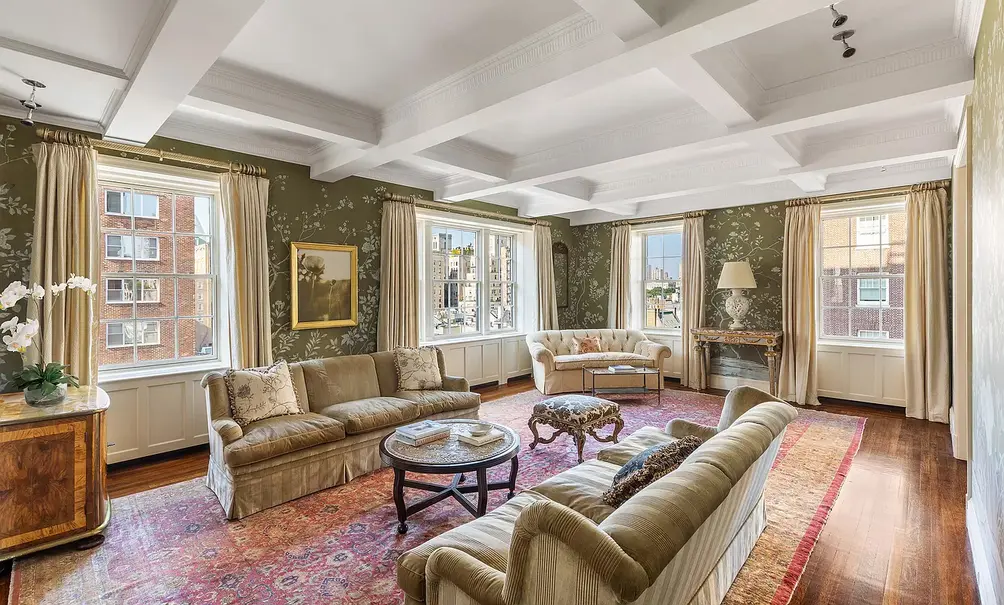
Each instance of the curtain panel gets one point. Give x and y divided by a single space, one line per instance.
798 301
245 208
397 323
547 303
693 299
619 302
66 241
928 385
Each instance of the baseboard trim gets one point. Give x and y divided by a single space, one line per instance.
717 381
983 561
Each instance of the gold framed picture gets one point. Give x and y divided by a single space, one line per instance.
324 279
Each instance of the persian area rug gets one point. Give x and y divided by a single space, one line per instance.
173 544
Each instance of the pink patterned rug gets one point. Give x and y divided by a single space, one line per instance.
173 544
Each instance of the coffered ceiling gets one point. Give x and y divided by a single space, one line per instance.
594 109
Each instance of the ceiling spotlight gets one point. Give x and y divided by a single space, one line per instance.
842 37
30 103
838 19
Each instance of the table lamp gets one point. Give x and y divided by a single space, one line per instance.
738 277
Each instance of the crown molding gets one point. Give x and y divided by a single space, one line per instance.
817 147
968 14
686 173
241 141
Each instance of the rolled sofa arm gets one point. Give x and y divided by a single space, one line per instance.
597 552
456 383
228 430
654 351
541 354
449 566
678 428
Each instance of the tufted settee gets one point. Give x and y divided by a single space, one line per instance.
557 370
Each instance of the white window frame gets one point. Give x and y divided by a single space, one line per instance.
854 210
884 334
883 286
124 174
866 237
132 244
128 300
643 234
521 253
132 204
132 324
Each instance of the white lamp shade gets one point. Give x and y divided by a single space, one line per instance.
738 275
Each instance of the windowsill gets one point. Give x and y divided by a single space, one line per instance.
861 345
657 332
474 338
125 374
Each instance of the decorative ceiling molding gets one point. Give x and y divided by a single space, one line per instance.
844 141
682 174
202 132
968 14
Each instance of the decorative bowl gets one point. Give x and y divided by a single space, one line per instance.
479 429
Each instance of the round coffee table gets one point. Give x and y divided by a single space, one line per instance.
450 456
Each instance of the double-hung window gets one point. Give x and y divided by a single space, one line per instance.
470 284
862 262
662 253
159 274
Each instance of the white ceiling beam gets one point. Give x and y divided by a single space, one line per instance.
191 36
626 19
466 158
261 101
567 59
115 76
809 182
691 77
653 143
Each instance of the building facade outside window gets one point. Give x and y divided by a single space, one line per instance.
861 282
159 276
663 252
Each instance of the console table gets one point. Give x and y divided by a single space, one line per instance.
52 472
769 339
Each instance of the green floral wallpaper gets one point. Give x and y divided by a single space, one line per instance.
987 165
589 279
300 209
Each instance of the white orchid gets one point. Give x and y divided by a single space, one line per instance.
12 294
10 325
21 337
57 289
81 283
38 292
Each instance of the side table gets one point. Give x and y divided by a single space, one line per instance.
769 339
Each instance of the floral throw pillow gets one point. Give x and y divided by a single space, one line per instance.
648 466
417 369
586 344
259 393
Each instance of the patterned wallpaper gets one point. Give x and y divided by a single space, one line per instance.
987 165
589 269
300 209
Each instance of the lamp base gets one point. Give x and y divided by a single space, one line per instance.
737 306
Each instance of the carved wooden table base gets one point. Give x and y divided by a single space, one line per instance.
578 432
770 340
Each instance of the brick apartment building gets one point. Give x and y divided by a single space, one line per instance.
156 291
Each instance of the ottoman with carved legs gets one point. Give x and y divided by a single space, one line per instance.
576 415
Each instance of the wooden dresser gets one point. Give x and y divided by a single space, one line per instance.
52 472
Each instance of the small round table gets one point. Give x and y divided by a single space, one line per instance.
450 456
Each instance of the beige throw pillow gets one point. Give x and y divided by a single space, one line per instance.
259 393
417 369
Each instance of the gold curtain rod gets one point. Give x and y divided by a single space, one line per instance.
664 218
51 135
454 209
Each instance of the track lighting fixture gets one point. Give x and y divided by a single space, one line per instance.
842 37
838 19
30 103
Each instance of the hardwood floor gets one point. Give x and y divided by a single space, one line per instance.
896 535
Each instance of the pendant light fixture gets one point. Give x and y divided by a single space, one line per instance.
838 18
30 103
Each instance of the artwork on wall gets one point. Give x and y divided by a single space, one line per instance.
559 254
325 289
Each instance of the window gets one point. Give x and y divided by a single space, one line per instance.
862 273
470 272
663 251
119 335
160 266
123 246
127 203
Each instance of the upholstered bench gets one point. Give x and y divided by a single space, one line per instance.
576 415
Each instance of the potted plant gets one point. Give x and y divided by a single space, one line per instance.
45 382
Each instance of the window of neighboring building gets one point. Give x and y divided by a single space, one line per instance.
861 282
160 269
470 275
663 251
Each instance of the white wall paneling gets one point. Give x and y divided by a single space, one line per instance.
672 367
493 359
862 373
153 415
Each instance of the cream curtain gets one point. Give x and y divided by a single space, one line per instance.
547 304
619 302
927 343
397 324
245 206
66 241
693 298
798 300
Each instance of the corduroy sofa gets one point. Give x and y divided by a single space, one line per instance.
557 370
351 403
680 541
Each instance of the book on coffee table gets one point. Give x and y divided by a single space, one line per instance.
490 437
621 368
422 429
422 440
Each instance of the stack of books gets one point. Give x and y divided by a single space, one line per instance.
422 433
490 437
621 369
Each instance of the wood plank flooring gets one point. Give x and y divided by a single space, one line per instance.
896 535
